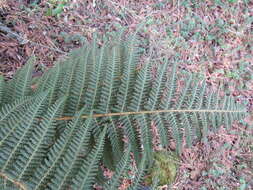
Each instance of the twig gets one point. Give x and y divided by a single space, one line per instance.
12 34
22 40
51 48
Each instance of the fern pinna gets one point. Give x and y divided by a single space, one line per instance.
96 108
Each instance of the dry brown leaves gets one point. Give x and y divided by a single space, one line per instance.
202 163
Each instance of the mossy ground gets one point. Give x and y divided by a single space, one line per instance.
164 168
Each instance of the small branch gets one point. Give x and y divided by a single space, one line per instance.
22 40
12 34
44 46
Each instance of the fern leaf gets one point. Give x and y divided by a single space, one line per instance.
31 155
141 87
115 136
201 95
121 169
175 127
196 123
171 85
126 101
194 94
158 87
2 86
188 129
23 80
205 126
140 174
8 109
131 56
51 81
68 79
183 94
46 170
87 173
110 85
23 131
42 83
145 135
108 154
72 158
11 116
162 129
93 90
132 136
76 99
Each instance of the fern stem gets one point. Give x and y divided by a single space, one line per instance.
18 184
151 112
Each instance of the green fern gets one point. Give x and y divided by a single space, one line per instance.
2 86
20 86
121 169
139 174
86 175
86 110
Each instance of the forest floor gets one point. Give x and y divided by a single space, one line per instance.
213 37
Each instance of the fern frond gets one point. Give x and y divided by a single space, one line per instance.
72 159
51 81
69 75
188 129
191 100
31 155
93 90
7 183
175 128
22 131
11 116
110 83
108 154
183 95
195 120
8 109
131 57
41 148
47 168
23 80
158 87
2 86
85 178
145 135
120 170
80 83
141 89
171 86
162 129
132 136
204 130
201 95
115 135
140 174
